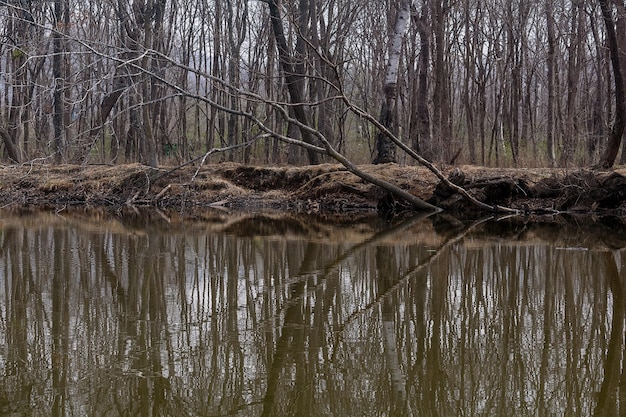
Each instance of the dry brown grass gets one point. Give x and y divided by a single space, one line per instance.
320 188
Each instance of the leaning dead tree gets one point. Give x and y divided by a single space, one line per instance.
313 141
312 133
327 148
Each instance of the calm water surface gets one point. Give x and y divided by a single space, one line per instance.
267 316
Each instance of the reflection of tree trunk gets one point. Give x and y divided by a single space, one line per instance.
619 263
293 340
17 291
573 342
607 397
508 366
387 275
548 328
214 332
419 287
152 319
234 383
293 317
60 322
304 378
434 366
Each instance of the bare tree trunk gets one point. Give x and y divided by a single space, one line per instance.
237 27
621 40
573 75
122 79
551 61
59 80
385 148
292 78
441 95
9 145
147 145
610 153
320 91
511 90
470 68
423 140
18 108
270 92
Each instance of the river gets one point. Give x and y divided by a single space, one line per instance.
268 315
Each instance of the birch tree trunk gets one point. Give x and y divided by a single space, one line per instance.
385 148
387 274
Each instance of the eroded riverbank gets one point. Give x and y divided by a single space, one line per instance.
325 188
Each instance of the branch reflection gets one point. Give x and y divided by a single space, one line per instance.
97 318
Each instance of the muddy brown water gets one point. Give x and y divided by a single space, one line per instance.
261 315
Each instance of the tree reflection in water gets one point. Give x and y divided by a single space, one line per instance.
102 319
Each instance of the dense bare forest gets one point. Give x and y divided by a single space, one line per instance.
497 83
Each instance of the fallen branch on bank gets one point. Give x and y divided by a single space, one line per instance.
326 149
422 161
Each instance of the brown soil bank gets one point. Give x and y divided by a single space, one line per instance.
320 189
